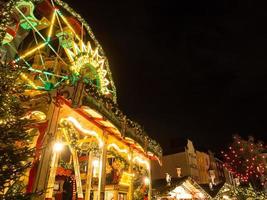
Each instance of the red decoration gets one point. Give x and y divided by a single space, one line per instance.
64 172
244 158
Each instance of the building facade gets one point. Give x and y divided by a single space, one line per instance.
203 167
185 160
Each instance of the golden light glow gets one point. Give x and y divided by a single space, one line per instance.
52 25
115 146
126 178
180 193
96 165
92 112
30 82
58 146
142 161
36 115
146 181
85 131
31 51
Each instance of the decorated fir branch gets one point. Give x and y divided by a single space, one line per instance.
15 152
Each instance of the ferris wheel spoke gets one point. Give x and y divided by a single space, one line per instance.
28 53
40 78
29 82
41 57
58 21
45 40
15 50
33 27
48 73
46 77
51 26
68 24
52 2
59 82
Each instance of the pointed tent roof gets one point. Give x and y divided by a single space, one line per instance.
161 188
215 189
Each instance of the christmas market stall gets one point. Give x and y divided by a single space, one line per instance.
219 190
178 189
86 147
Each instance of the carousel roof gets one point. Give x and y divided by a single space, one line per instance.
83 60
128 128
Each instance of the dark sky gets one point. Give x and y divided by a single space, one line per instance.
195 69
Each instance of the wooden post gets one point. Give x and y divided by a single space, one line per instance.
116 194
53 167
40 183
52 176
77 174
102 173
77 94
89 177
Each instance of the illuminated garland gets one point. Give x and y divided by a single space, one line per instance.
241 193
119 150
115 170
141 161
80 147
110 110
140 189
120 158
66 165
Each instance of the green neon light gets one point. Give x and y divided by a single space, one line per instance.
25 25
91 75
88 76
45 40
48 73
49 86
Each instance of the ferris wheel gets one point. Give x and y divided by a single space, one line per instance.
55 46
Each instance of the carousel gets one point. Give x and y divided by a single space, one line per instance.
86 148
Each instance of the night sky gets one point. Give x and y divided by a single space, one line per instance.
190 69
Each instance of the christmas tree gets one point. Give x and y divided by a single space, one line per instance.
15 152
245 159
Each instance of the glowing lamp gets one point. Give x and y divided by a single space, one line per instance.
95 168
58 146
146 181
96 163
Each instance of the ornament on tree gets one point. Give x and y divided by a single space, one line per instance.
245 159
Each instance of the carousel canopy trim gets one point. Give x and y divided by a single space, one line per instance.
147 150
127 128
